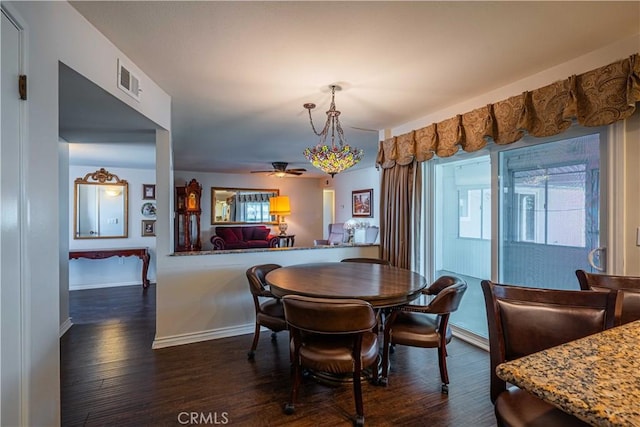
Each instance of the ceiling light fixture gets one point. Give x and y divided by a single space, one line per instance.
333 158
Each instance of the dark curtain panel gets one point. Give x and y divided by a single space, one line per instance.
400 196
233 209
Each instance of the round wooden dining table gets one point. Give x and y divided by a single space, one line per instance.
380 285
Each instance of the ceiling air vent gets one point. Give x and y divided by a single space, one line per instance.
128 81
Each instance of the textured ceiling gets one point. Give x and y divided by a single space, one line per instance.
239 72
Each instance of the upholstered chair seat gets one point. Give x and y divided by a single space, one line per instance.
418 330
334 336
520 408
425 326
334 354
271 315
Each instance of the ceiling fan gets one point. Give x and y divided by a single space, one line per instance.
280 170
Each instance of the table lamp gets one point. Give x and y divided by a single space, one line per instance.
280 207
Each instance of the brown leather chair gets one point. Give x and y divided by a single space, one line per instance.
425 326
368 260
626 287
589 281
334 336
525 320
627 306
441 283
270 313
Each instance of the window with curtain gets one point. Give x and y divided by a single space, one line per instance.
252 207
537 186
548 211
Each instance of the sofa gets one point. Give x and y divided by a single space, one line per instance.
243 237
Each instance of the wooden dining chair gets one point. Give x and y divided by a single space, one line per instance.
525 320
627 290
270 313
425 326
333 336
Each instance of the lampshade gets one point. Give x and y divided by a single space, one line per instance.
337 156
279 205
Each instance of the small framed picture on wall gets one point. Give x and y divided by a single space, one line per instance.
148 191
148 228
362 203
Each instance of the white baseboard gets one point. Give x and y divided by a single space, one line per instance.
66 325
81 287
202 336
472 339
190 338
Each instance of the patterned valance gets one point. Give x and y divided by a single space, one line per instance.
596 98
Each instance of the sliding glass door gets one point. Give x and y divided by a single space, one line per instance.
462 233
549 212
524 215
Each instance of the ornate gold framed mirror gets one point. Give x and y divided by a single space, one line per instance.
100 209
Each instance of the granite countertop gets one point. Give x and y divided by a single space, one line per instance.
596 378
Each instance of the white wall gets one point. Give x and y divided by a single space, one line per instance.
63 255
353 180
305 196
55 32
203 297
115 271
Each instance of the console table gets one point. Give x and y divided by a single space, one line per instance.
142 253
286 240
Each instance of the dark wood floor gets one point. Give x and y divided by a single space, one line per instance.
110 376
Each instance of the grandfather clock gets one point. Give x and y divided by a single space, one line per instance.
187 218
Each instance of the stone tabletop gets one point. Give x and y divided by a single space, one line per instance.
596 378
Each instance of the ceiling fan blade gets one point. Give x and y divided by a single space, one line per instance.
281 168
363 129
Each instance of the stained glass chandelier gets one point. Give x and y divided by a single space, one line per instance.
336 157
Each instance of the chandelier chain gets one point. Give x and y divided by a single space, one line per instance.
314 128
331 159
